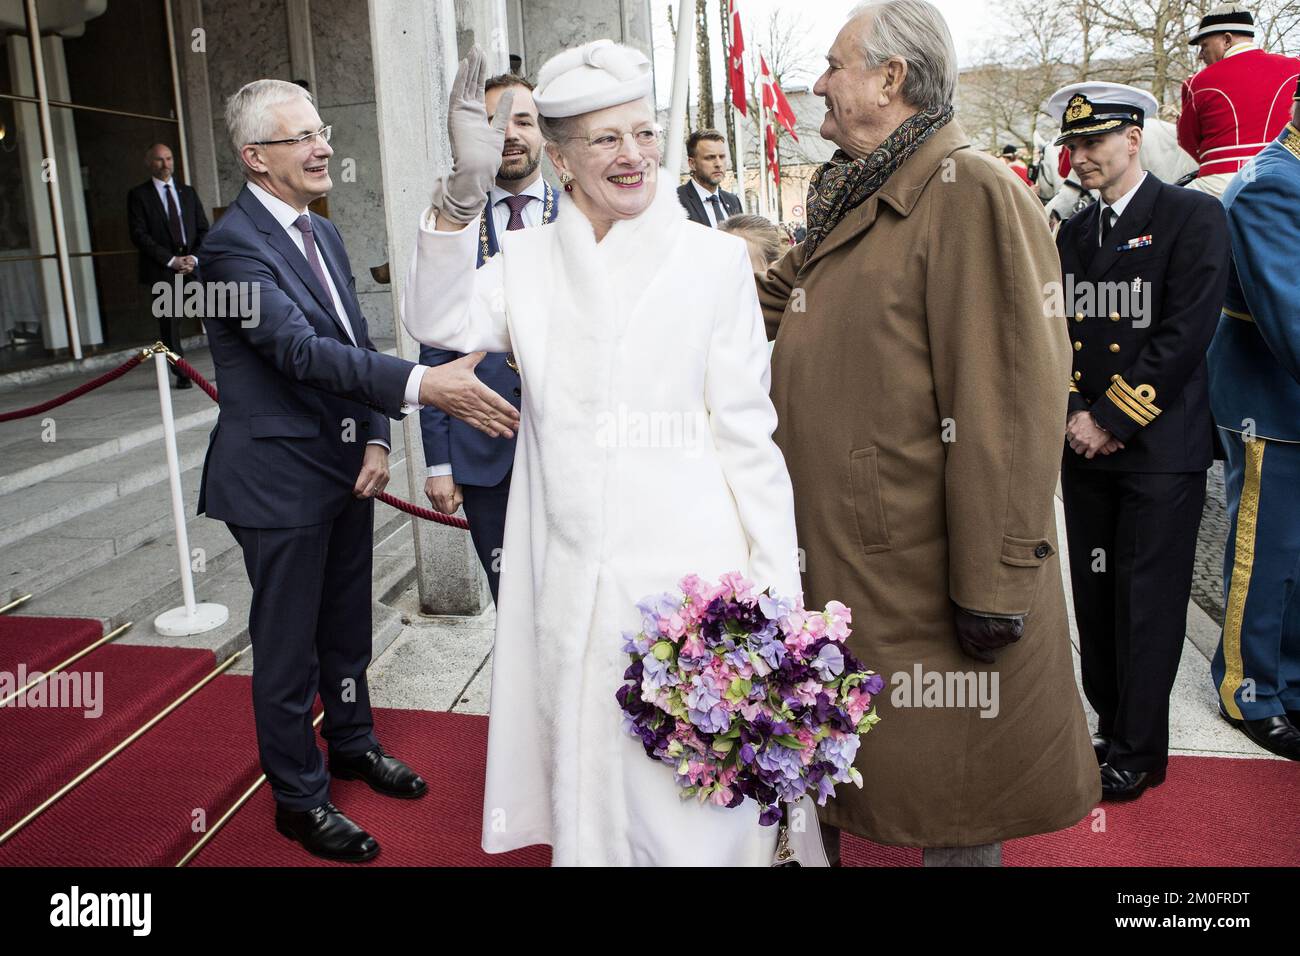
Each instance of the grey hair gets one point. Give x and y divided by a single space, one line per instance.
916 32
556 129
249 117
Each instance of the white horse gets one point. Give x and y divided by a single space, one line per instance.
1160 154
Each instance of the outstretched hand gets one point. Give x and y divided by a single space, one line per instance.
476 142
456 390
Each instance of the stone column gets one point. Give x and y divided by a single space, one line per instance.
414 46
484 22
302 57
192 64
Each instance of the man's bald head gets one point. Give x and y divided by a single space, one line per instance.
158 158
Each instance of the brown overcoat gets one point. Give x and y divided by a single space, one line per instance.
919 375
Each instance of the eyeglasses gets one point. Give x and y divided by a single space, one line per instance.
646 139
324 134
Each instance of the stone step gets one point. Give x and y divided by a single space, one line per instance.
30 510
392 574
128 508
31 461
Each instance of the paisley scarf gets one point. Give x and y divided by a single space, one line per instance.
844 183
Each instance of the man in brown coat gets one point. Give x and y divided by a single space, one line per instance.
918 375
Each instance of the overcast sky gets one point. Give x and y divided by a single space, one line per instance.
968 20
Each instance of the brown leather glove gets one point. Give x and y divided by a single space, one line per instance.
980 635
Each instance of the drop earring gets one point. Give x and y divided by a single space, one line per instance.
566 180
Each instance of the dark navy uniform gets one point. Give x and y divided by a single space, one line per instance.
1132 516
1255 390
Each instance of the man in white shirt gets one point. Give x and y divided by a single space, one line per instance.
466 466
299 451
705 200
167 225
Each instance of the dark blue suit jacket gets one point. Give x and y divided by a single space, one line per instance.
299 401
476 459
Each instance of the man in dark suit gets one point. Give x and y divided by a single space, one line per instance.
705 200
464 465
1144 274
298 453
167 225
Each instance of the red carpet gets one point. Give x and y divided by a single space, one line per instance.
43 747
41 642
1209 812
440 829
140 809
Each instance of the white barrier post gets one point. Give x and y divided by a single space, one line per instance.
192 618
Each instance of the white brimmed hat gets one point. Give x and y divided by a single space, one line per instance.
1085 109
591 77
1224 18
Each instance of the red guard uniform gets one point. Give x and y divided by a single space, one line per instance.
1235 107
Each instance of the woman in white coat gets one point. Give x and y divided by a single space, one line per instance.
644 454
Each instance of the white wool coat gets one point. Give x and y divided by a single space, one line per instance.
645 453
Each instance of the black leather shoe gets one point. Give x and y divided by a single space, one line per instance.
1119 784
1277 735
325 832
1101 747
184 383
384 774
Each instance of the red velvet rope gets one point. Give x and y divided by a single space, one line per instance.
211 390
77 392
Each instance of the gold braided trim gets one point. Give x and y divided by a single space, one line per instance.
1144 395
1292 142
1128 407
1243 563
1095 128
1244 316
1073 387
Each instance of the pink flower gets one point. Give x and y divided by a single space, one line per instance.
857 703
839 618
806 692
733 582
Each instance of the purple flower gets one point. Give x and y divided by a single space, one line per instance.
839 752
781 761
829 662
715 720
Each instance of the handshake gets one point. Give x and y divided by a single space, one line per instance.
456 390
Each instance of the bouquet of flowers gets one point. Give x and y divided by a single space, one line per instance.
747 695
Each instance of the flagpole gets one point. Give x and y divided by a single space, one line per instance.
738 122
762 150
684 56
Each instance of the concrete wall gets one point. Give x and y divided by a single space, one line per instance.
549 26
345 97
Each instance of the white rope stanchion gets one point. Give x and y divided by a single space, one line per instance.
193 618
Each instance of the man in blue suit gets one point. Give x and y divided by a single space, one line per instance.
464 465
1254 364
298 453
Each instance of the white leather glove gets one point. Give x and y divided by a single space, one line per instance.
476 144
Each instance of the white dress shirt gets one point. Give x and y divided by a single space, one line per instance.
532 213
286 216
705 196
1118 207
162 188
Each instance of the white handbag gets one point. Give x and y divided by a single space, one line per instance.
799 836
